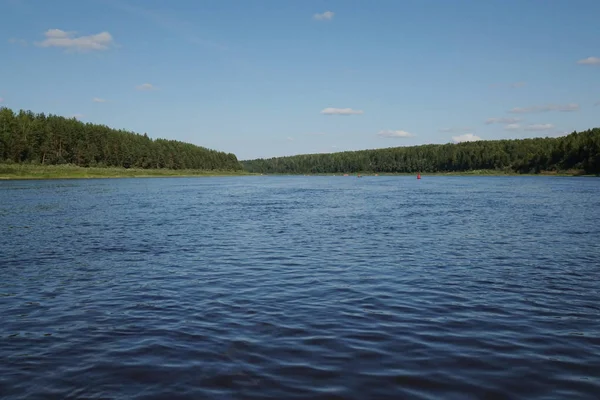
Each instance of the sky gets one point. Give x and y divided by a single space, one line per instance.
266 78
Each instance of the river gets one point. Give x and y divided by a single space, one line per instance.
269 287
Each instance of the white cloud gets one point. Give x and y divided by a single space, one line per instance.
395 134
340 111
145 86
326 16
467 137
590 61
21 42
512 127
291 139
98 100
502 120
327 151
539 127
546 108
448 130
69 40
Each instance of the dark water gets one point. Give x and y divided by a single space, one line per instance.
301 288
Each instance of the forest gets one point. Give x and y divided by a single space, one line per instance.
42 139
578 152
28 138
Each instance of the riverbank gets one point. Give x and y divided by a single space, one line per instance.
28 171
483 172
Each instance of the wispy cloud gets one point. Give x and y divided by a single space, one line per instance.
546 108
340 111
467 137
328 151
21 42
597 103
395 134
77 116
326 16
512 127
290 139
455 130
590 61
98 100
316 133
502 120
539 127
160 18
71 42
517 84
531 127
145 87
1 100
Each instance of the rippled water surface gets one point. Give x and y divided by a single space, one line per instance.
300 288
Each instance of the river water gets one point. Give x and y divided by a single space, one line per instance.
300 288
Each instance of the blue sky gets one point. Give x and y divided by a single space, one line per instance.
268 78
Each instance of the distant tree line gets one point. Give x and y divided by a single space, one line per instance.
577 151
26 137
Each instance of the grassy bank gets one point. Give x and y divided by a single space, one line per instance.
29 171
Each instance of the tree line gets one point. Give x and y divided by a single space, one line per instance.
26 137
576 151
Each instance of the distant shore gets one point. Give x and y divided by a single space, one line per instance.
29 171
485 172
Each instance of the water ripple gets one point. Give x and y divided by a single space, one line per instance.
300 287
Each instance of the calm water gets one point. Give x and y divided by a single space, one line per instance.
301 288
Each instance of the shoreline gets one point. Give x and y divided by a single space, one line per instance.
487 173
38 172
